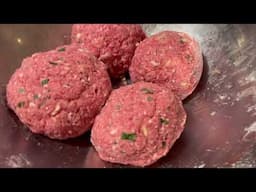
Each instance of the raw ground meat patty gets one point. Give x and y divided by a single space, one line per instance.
169 58
58 93
138 125
114 44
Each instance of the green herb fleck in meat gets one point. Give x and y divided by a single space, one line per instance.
147 91
62 49
21 90
128 136
53 63
164 121
163 143
149 98
36 96
44 82
21 104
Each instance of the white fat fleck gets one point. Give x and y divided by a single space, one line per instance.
222 97
112 132
31 104
78 35
56 109
154 63
169 62
21 75
70 116
183 84
144 130
250 129
105 56
213 113
114 147
70 132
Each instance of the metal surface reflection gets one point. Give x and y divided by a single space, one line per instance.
221 126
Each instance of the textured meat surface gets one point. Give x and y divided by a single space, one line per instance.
169 58
114 44
138 125
58 93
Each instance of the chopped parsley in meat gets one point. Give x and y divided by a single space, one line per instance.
164 121
149 98
53 63
147 91
62 49
36 96
128 136
21 104
44 82
21 90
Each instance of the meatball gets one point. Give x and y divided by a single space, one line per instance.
58 93
172 59
114 44
138 124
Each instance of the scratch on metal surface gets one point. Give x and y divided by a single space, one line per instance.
250 129
252 110
246 161
202 165
17 161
